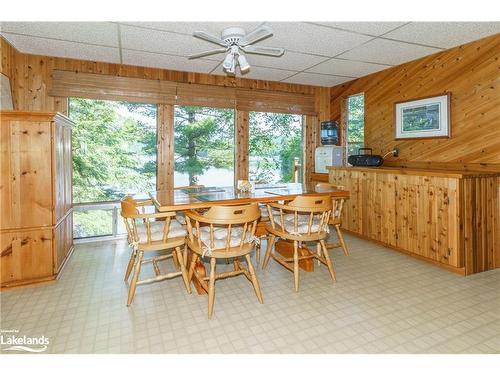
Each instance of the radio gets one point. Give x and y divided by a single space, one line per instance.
365 160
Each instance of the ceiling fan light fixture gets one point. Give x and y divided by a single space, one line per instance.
228 62
243 63
236 41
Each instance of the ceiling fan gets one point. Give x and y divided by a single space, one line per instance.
235 41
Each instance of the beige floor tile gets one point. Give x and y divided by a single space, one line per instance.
382 302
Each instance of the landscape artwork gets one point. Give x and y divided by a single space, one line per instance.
423 118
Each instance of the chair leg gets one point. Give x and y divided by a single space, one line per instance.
257 254
185 255
318 252
328 261
194 258
296 265
269 249
182 264
255 282
133 283
130 265
341 240
175 259
211 288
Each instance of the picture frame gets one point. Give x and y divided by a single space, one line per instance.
421 118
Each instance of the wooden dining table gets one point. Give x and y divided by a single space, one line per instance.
205 197
182 199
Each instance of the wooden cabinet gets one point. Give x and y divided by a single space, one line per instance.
35 196
449 218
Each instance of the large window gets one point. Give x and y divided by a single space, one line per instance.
275 147
203 146
114 153
355 123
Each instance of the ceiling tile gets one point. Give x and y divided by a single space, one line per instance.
308 38
162 41
59 48
156 60
372 28
444 34
388 52
347 68
289 60
102 33
317 79
256 72
214 28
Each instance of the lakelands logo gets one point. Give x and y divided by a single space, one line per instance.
10 338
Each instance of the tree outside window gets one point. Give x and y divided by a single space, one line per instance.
355 123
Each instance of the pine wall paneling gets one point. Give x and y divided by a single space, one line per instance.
471 73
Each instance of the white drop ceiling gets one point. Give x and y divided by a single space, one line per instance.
316 53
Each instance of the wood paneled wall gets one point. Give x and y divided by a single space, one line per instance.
471 73
7 55
31 79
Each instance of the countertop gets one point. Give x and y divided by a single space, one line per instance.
421 171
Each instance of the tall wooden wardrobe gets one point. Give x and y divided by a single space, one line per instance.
36 218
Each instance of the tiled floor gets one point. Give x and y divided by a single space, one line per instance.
382 302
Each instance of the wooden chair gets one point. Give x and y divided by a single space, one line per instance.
336 217
152 232
223 232
303 219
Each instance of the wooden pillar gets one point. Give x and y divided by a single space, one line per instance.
241 146
165 147
343 126
312 131
311 141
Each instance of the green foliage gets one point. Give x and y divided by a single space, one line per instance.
275 141
93 223
204 138
355 123
114 149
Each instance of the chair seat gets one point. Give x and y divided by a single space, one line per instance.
264 214
302 223
157 227
220 237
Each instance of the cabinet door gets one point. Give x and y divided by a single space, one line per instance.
406 216
26 177
386 209
68 170
59 178
59 245
25 255
69 234
351 215
63 241
446 232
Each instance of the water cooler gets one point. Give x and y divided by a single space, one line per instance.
329 153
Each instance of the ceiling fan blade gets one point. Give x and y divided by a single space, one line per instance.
259 33
209 37
207 53
270 51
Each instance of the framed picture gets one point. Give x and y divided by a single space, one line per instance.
423 118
